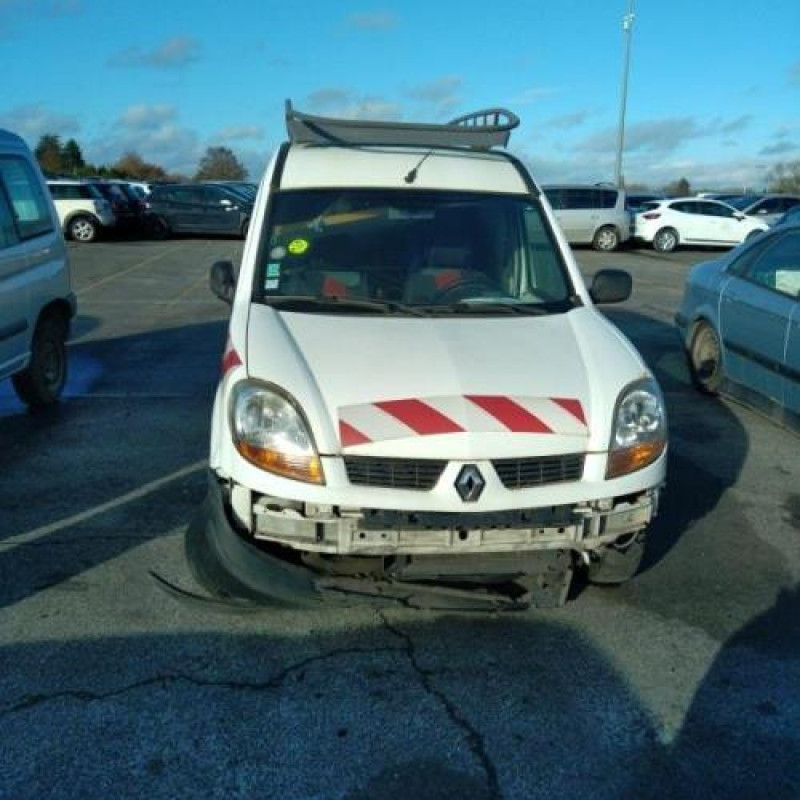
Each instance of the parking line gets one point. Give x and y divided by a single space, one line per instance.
135 494
125 271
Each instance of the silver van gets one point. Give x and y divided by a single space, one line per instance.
591 214
36 300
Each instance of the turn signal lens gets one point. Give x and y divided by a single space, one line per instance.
630 459
300 468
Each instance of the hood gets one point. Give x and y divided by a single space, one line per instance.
456 388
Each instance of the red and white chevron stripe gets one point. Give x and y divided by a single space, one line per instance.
429 416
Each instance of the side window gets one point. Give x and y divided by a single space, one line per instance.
578 199
716 210
57 190
8 232
607 198
683 208
30 206
555 197
778 267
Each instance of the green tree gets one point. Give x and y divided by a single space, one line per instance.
132 165
72 160
785 177
220 164
49 153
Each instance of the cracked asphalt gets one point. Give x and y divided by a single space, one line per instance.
684 683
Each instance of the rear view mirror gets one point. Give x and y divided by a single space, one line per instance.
611 286
223 280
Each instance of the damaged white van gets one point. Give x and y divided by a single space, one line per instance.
419 401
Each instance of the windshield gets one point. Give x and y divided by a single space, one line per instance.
402 251
742 202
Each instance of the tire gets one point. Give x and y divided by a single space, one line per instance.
606 239
666 240
82 229
618 564
752 235
40 384
157 228
705 359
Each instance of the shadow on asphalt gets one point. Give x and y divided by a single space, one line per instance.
410 706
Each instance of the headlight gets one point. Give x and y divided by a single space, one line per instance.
639 435
270 432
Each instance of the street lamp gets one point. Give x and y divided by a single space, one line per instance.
627 27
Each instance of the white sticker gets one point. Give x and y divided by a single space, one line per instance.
277 253
272 283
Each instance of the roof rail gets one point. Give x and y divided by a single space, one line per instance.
480 130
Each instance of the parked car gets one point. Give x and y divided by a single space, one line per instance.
768 208
36 299
590 214
197 208
634 202
417 387
740 323
82 209
249 190
792 215
691 220
126 205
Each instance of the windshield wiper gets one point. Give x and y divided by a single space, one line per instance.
299 302
468 307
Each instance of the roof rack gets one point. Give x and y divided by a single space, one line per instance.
480 130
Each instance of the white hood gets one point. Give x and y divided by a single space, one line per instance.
456 388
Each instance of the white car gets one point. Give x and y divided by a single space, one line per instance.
82 209
666 224
418 398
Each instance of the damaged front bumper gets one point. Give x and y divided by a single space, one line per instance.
498 560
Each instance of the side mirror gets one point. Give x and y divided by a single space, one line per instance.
223 281
611 286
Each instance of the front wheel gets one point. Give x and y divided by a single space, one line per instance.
705 359
40 384
665 241
618 563
157 228
606 239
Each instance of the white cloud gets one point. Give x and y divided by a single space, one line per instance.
236 132
373 21
440 97
33 120
143 116
533 94
779 148
174 53
337 102
566 121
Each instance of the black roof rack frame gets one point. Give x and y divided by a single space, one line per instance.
480 130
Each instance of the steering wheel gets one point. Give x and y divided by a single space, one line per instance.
471 286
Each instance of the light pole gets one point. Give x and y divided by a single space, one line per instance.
627 27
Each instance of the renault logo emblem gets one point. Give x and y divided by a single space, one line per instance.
469 483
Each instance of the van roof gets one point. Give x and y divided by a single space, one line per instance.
11 140
328 166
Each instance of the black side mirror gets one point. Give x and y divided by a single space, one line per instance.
222 280
611 286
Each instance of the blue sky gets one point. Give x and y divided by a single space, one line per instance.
714 89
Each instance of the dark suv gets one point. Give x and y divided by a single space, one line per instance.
197 208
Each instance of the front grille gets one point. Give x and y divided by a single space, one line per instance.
394 473
523 473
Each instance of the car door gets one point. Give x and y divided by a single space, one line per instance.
186 208
725 222
684 217
756 307
220 211
13 300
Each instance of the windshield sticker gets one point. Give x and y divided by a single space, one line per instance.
271 283
273 270
277 253
298 246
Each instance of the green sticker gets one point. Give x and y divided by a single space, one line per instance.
298 246
273 270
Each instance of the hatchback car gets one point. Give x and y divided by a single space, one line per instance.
197 208
593 214
691 220
767 207
418 396
83 210
740 323
36 299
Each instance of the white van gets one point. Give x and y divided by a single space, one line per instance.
419 400
36 300
591 214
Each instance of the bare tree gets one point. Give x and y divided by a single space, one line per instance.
679 188
785 177
49 153
132 165
220 163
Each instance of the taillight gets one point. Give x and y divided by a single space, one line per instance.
651 215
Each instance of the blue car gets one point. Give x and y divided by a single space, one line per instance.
740 323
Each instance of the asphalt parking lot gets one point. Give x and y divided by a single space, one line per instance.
683 683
